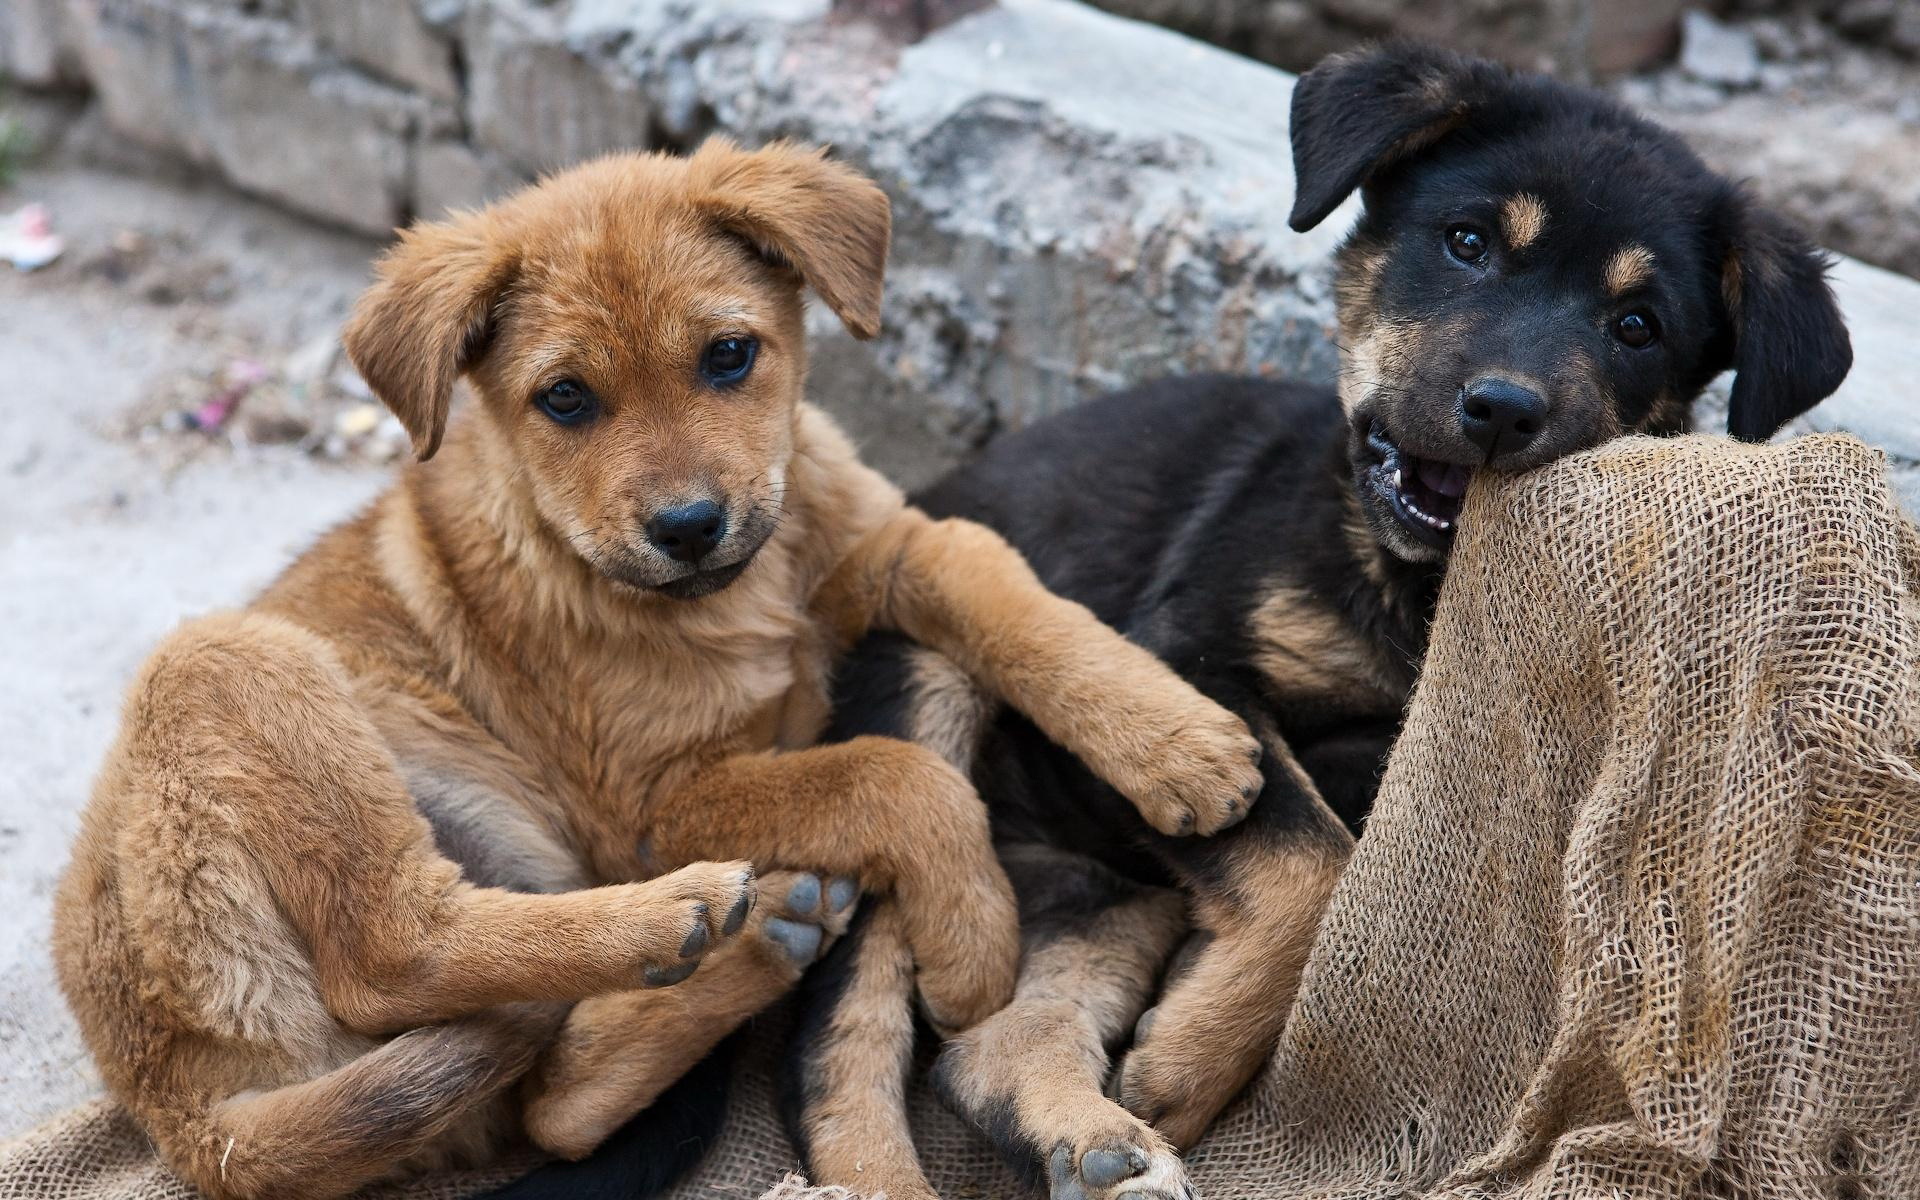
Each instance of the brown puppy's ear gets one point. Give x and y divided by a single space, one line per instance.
1790 343
796 206
1356 113
427 319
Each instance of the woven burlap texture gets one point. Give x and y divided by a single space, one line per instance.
1637 913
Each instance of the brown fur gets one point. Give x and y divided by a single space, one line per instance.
368 803
1627 269
1304 648
1035 1069
1522 219
855 1123
1219 1020
618 1051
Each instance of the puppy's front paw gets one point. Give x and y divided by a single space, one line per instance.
1178 1082
1188 765
1131 1163
801 916
966 950
685 914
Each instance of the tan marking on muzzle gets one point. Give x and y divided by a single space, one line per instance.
1629 268
1374 358
1524 219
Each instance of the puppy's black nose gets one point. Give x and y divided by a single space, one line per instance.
1500 416
689 532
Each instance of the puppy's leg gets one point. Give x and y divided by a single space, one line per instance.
618 1052
1030 1076
248 764
846 1072
844 1095
1257 895
893 815
1189 765
331 1135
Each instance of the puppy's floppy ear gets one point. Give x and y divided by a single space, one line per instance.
796 206
427 319
1356 113
1790 343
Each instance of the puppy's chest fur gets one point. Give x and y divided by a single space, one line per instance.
535 746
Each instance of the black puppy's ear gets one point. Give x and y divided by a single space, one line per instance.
1355 113
1790 344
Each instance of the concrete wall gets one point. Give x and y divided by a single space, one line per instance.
1574 39
1081 200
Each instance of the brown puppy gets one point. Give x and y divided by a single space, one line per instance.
361 848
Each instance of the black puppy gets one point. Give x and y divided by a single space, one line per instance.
1535 271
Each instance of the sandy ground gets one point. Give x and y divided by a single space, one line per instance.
107 540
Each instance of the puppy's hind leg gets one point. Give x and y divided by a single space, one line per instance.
844 1091
1258 892
620 1051
329 1136
270 765
1030 1076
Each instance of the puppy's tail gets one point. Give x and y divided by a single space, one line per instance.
648 1154
329 1136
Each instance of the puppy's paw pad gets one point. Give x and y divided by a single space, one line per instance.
1122 1168
800 941
841 893
1143 1028
737 914
804 895
802 921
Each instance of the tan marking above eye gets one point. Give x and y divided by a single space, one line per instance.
1629 267
1523 218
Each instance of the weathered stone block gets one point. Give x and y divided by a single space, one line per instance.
453 175
1880 400
532 98
38 45
391 38
254 98
1575 38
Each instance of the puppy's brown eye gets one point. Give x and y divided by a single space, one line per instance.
1637 329
727 361
568 402
1466 243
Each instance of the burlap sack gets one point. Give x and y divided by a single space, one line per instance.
1637 914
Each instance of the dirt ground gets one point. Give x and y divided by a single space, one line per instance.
112 531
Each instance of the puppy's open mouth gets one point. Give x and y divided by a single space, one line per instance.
1423 494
